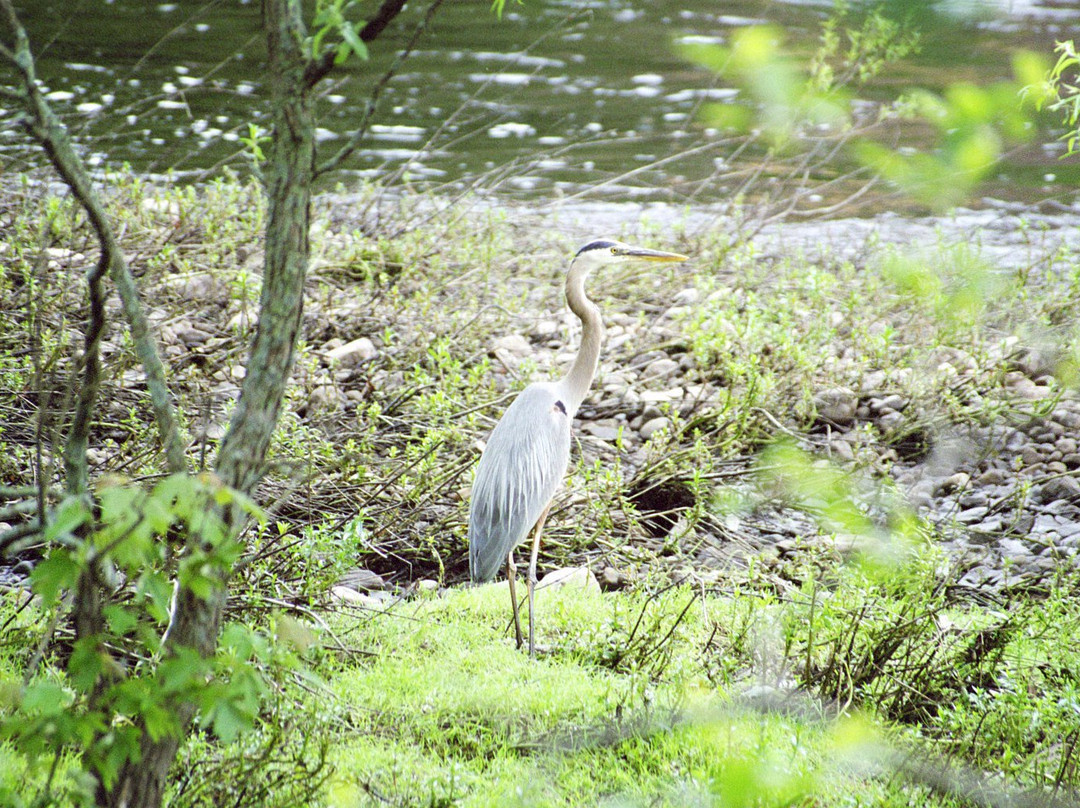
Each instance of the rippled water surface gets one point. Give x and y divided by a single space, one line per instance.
554 98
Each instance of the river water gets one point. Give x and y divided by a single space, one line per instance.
555 98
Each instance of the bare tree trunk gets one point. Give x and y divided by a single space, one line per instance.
240 461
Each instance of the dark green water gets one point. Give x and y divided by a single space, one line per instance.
555 98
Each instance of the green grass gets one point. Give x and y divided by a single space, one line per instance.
447 712
638 697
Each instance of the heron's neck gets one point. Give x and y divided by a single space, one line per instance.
581 373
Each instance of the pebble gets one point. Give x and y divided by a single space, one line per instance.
601 430
662 396
972 515
660 368
991 477
654 425
842 451
514 344
546 328
1031 455
362 580
611 579
890 422
354 352
686 297
346 594
570 578
836 405
954 482
1060 488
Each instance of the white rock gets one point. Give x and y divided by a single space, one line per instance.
687 297
836 405
514 344
354 352
662 396
572 577
654 425
659 368
546 328
346 594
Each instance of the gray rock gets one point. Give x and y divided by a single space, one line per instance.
687 297
324 397
546 328
654 425
991 524
1031 455
514 344
842 451
346 594
612 578
973 499
354 352
972 515
991 477
891 421
954 482
601 429
569 577
894 402
1060 488
362 580
836 405
872 381
660 368
1014 548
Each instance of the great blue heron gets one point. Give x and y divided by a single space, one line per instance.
529 449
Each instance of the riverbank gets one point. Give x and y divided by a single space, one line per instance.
833 464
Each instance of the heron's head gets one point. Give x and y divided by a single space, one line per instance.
604 252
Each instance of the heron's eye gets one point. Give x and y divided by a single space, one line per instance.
614 250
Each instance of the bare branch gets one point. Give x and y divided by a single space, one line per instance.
317 69
373 99
47 129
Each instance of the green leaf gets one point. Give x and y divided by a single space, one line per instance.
120 619
349 34
85 664
46 698
71 514
58 571
158 591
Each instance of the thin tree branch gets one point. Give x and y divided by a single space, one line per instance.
373 99
321 66
47 129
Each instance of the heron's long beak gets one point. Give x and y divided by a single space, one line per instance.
655 255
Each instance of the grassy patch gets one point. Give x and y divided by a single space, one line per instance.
785 677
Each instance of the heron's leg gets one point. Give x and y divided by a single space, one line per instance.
530 582
511 577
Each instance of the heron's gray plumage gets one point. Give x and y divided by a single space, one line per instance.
525 459
527 453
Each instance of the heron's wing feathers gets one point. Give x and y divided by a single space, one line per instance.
525 459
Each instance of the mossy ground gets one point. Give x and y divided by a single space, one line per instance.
663 693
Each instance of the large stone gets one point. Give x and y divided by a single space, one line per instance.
514 344
353 352
569 577
836 405
362 580
654 425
